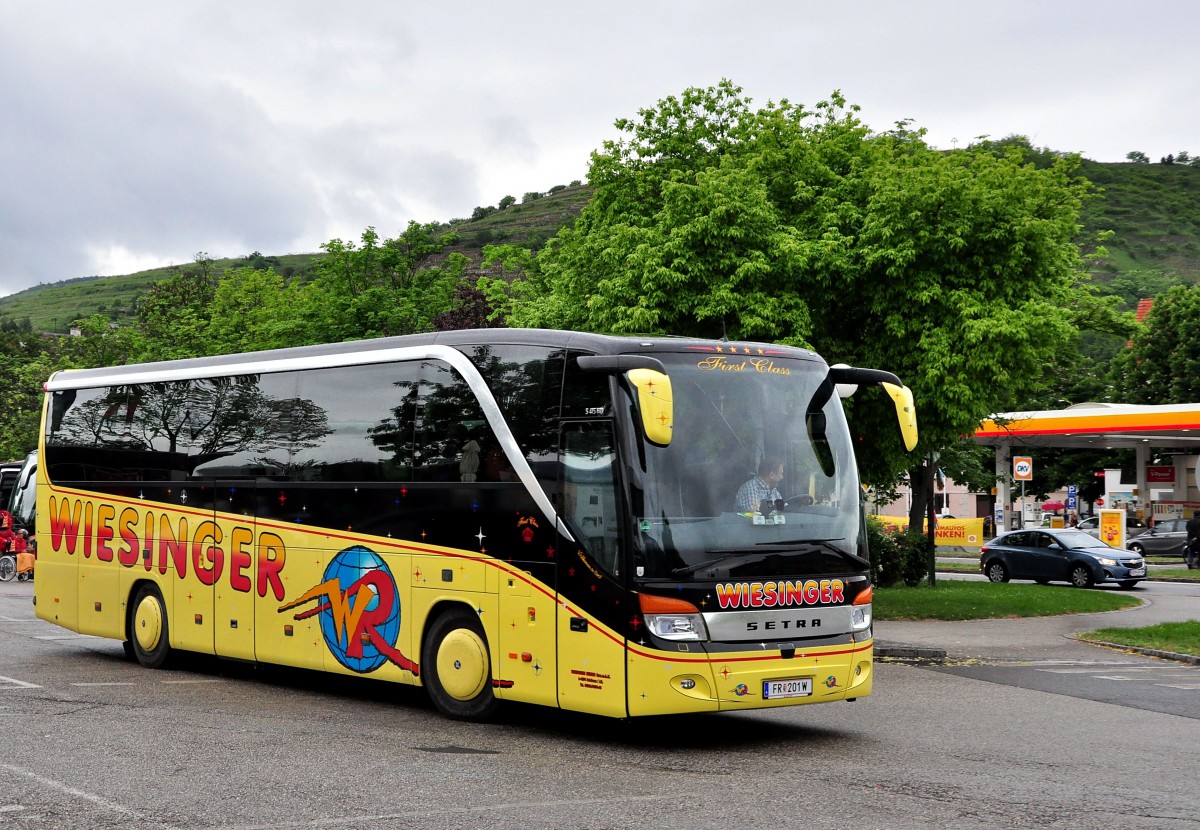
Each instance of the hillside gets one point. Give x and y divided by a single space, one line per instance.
1153 210
52 307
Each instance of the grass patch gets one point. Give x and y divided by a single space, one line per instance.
962 600
1179 637
1174 573
958 567
1158 573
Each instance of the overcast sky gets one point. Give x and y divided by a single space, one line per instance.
136 134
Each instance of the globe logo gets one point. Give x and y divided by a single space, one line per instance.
358 606
360 623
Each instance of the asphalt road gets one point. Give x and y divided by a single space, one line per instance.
90 740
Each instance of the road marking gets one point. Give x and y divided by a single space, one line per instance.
21 683
1179 685
99 801
186 682
1086 671
11 808
67 637
516 807
103 684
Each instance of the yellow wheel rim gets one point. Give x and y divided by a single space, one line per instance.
462 664
147 624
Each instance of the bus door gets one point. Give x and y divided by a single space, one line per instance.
591 585
228 563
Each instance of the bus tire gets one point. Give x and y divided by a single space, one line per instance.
456 666
149 633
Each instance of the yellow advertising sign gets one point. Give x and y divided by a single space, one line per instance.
1112 527
965 533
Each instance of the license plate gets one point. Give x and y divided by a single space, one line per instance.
1138 572
795 687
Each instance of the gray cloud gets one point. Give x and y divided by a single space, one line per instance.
135 135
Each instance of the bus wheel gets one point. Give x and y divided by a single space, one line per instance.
456 667
148 628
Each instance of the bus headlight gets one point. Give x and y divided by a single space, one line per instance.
860 617
860 611
677 626
672 619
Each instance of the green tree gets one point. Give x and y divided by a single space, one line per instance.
1137 157
382 287
26 361
1163 365
174 313
955 269
253 309
102 343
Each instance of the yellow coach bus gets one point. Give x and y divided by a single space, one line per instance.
540 516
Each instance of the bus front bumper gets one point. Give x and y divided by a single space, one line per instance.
666 683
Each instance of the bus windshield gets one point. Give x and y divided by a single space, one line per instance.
712 509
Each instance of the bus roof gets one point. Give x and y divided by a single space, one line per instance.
384 349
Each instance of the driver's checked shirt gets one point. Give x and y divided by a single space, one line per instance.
751 494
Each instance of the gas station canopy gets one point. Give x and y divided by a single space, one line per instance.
1096 426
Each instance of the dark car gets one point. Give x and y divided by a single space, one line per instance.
1066 555
9 470
1166 537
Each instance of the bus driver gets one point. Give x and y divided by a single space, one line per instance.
762 487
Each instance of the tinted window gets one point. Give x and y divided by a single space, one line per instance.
589 490
526 382
453 437
138 432
348 423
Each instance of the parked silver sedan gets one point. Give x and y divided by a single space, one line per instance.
1167 537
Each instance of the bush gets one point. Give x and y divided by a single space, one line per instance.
896 557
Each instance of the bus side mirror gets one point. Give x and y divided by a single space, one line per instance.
654 404
906 412
846 379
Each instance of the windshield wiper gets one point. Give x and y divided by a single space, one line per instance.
741 556
825 543
742 559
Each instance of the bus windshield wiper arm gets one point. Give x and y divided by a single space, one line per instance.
825 543
767 548
740 556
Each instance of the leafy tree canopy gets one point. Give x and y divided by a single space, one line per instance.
1163 366
957 270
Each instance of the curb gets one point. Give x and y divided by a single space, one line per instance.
922 654
1191 659
912 654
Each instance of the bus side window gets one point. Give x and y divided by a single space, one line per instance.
589 490
453 435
